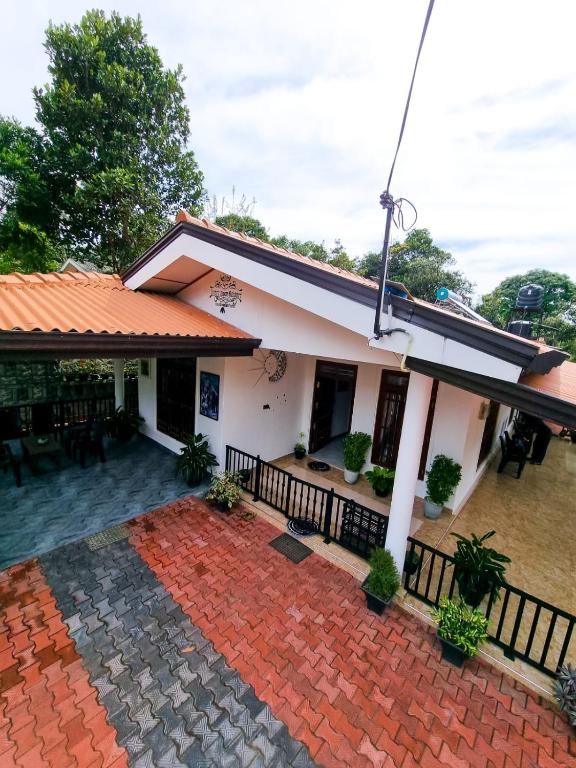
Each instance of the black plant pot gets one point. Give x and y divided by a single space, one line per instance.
299 453
193 480
222 506
452 653
411 563
374 602
382 493
244 475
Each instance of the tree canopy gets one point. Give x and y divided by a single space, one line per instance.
111 155
558 310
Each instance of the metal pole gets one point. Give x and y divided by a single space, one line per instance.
387 202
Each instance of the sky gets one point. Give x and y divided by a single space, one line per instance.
298 105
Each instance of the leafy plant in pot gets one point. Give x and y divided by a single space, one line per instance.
382 582
479 570
442 479
381 479
225 491
300 446
123 425
565 691
461 629
356 446
195 460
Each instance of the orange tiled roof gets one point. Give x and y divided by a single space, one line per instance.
92 302
560 382
185 216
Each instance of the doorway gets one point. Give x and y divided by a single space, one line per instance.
389 418
489 431
334 390
176 397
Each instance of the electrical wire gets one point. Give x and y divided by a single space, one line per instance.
407 107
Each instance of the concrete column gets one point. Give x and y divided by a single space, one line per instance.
119 383
407 465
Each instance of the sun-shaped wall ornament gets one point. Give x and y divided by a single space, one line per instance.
272 364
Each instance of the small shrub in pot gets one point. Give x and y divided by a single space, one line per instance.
225 491
382 582
381 479
441 481
356 446
479 570
461 629
300 446
565 692
195 460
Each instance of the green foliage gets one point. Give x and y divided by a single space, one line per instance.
381 479
195 460
300 445
442 479
111 166
565 691
559 306
383 579
225 490
479 569
356 445
245 224
424 267
463 626
124 424
369 265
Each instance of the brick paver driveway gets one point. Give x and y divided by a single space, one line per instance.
195 643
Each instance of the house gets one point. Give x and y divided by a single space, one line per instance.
286 345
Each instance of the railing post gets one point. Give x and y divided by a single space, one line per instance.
328 516
227 462
288 495
258 478
509 652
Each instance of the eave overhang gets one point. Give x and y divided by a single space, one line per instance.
40 345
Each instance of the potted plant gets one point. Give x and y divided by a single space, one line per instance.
442 479
356 445
565 691
479 570
300 447
124 425
195 460
381 479
461 629
382 582
225 491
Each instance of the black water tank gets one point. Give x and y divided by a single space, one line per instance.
521 328
530 298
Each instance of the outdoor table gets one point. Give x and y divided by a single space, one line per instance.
37 447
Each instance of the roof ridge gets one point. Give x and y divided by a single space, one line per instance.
53 278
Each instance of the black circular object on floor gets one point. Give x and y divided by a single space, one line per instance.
303 527
318 466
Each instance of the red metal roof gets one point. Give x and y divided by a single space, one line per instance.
560 382
92 302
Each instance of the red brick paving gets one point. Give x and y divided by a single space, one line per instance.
357 689
49 715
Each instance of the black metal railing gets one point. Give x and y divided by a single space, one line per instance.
523 625
53 416
337 518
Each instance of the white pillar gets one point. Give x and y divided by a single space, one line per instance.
119 383
407 465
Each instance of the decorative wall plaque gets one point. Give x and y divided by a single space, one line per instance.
272 364
226 293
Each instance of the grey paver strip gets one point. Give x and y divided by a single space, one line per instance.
172 698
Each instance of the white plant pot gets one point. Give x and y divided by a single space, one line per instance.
351 477
432 511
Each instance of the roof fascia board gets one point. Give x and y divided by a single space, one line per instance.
509 393
41 345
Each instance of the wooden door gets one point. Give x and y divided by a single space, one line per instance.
489 430
329 377
176 397
389 418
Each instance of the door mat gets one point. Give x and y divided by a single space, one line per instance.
302 527
109 536
293 549
318 466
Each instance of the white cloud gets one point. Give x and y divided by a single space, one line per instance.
299 103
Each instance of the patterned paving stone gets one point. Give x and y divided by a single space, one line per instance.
170 696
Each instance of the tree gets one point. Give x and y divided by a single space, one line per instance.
369 265
115 130
558 309
245 224
423 267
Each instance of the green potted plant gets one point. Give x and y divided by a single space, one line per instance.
381 479
461 629
479 570
124 425
356 446
565 691
382 582
442 479
300 446
195 460
225 491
